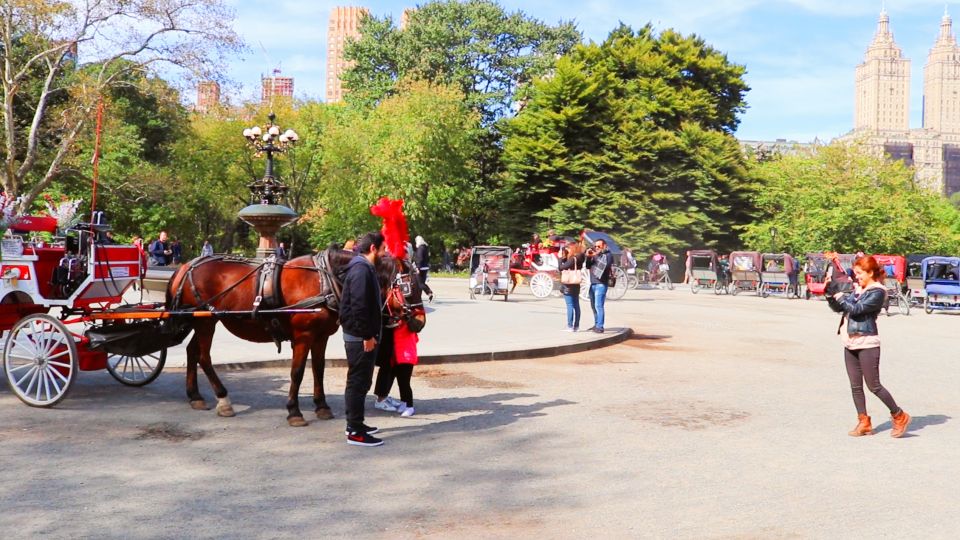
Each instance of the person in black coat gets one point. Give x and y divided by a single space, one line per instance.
421 258
571 260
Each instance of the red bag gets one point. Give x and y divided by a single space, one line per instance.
404 346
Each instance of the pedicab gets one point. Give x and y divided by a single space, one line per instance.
744 271
490 272
815 274
705 271
618 274
941 281
915 290
895 267
778 275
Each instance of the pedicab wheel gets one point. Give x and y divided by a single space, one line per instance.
632 282
717 287
40 360
694 287
807 294
903 303
669 283
764 291
541 284
620 286
136 370
927 307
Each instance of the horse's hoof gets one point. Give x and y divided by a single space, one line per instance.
225 408
296 421
199 405
325 414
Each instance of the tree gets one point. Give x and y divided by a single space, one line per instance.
632 136
41 43
472 45
418 145
843 198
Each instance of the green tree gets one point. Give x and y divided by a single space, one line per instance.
632 136
473 45
418 145
843 198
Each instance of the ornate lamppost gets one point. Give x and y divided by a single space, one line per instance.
266 214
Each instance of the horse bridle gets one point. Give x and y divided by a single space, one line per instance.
400 289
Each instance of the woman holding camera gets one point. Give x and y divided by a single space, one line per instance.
571 261
861 342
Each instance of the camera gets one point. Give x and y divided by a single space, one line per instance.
833 287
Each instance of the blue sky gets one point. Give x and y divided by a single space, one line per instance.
800 55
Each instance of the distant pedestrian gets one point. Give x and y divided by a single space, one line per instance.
861 343
207 249
176 251
600 262
281 252
570 267
421 259
160 250
360 319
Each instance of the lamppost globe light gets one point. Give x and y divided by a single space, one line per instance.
291 135
266 137
247 132
255 131
283 138
274 130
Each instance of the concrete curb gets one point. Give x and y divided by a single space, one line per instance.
611 337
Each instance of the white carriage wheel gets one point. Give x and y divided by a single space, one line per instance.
40 360
136 370
541 284
620 287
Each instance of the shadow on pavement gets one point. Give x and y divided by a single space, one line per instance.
916 424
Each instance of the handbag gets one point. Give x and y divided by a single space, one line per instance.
571 277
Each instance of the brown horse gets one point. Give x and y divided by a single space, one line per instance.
307 286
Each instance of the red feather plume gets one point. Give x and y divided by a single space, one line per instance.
395 232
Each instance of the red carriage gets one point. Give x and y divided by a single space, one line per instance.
538 264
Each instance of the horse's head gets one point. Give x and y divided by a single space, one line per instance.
402 295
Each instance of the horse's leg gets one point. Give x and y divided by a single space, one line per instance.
224 407
193 390
301 346
318 362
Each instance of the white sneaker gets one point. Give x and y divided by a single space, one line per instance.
384 406
394 401
568 329
407 412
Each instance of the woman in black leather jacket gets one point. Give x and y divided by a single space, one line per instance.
861 343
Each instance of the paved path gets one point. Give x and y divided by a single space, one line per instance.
721 418
458 329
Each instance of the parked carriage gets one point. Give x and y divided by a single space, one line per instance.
815 274
539 264
941 280
84 279
915 287
779 275
705 271
745 271
895 281
490 272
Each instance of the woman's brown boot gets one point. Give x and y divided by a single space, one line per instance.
900 422
863 426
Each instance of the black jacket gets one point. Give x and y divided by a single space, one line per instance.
421 257
360 310
602 260
570 263
861 310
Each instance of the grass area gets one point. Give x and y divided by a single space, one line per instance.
462 274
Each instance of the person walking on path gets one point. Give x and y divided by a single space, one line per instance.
861 343
600 262
570 264
360 318
421 258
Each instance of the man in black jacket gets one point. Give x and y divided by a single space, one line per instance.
360 318
600 263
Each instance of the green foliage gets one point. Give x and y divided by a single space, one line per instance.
417 145
473 45
843 198
631 136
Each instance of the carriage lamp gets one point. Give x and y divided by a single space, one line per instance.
269 140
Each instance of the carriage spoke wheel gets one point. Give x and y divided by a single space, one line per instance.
620 286
136 370
40 360
541 284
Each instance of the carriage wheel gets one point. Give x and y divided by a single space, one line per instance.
541 284
632 282
904 304
585 289
40 360
136 370
620 287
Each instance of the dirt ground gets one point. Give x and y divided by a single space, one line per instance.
724 417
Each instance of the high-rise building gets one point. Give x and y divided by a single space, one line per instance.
881 100
208 95
344 24
941 82
275 86
883 84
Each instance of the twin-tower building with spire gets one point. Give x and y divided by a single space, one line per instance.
882 106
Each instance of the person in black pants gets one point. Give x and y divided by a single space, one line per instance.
421 258
360 318
390 371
